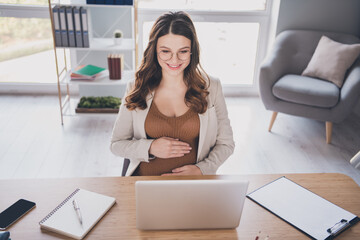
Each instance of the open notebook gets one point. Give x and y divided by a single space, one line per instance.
64 220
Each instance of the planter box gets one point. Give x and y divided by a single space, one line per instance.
96 110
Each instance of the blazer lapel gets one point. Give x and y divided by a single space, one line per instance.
203 128
141 115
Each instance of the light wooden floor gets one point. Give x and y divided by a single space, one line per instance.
33 144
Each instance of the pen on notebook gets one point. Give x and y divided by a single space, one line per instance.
77 210
257 237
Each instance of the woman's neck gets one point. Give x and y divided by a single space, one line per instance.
172 81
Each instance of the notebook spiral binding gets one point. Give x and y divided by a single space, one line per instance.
59 206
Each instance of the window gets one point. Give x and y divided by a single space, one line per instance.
25 39
205 5
232 34
222 55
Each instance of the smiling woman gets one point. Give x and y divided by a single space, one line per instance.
174 119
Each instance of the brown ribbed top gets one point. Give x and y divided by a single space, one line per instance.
185 127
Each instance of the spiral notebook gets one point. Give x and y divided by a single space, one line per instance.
303 209
64 219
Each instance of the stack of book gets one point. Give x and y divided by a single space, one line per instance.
70 26
115 64
87 73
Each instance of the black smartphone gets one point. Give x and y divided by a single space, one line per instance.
14 212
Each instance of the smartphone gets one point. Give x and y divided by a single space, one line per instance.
14 212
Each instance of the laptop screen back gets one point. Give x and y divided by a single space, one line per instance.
189 204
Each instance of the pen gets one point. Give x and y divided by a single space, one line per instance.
257 237
77 210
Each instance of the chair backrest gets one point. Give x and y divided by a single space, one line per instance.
355 161
300 45
125 167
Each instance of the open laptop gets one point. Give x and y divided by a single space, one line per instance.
189 204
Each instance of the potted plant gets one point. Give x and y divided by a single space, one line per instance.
118 37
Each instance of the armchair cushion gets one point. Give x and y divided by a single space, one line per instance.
331 60
306 90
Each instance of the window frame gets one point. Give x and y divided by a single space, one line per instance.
24 11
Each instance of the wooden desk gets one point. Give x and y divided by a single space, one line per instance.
120 222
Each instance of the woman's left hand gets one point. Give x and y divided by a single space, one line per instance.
185 170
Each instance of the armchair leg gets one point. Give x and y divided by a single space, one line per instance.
272 120
328 126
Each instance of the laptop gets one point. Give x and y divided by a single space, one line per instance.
189 204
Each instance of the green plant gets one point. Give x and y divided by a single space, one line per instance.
118 34
99 102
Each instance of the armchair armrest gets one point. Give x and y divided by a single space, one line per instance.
351 85
350 93
275 65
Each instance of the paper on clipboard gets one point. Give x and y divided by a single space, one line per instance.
310 213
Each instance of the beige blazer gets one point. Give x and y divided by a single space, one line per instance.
216 142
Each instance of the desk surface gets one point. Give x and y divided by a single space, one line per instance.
120 222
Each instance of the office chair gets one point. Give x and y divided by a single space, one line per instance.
125 167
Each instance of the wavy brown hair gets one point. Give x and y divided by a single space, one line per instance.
149 75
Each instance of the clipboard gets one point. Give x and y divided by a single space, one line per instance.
308 212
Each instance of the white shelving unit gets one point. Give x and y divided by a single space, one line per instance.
107 44
103 20
103 79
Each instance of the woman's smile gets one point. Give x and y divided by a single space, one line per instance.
174 67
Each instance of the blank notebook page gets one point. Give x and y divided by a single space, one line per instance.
64 219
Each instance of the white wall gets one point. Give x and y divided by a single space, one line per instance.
327 15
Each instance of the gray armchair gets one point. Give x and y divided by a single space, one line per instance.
283 89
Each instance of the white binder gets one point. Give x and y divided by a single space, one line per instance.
70 24
303 209
77 23
57 26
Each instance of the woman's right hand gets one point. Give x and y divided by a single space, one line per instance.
166 147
